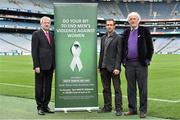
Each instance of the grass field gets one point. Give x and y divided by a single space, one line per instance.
17 79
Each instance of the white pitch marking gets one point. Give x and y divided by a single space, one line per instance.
155 99
152 99
17 85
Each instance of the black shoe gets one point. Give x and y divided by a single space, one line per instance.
48 110
41 112
103 110
118 113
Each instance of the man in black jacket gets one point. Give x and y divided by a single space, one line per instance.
137 53
43 64
109 66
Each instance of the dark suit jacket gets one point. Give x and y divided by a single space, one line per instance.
42 52
145 45
113 53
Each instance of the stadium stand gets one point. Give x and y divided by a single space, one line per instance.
19 24
168 45
43 6
19 18
108 10
143 8
152 10
20 41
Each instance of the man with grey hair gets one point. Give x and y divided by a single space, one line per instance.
137 53
43 64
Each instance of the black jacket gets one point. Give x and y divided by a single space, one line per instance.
43 54
113 53
145 45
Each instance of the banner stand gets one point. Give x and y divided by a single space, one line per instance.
88 109
75 28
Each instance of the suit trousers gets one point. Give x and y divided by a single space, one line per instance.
106 77
136 74
43 85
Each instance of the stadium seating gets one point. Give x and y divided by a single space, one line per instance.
11 42
150 10
43 6
19 24
106 10
172 47
167 45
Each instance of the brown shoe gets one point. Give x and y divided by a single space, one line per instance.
142 115
130 113
103 110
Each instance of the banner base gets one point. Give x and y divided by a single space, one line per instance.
89 109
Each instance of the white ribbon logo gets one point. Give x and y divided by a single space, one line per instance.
76 61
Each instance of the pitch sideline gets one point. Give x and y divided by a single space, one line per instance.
152 99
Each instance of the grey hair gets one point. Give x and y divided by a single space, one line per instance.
45 18
135 14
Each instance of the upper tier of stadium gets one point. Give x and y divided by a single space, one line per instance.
166 9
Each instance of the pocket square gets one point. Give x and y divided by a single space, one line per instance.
139 35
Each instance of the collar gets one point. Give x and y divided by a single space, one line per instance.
45 31
134 28
111 35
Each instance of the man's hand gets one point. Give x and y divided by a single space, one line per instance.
116 71
37 70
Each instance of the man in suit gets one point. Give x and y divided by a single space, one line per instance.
109 67
137 53
43 64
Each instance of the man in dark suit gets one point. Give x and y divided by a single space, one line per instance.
43 64
109 67
137 53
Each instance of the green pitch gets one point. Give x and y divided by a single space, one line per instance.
17 79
